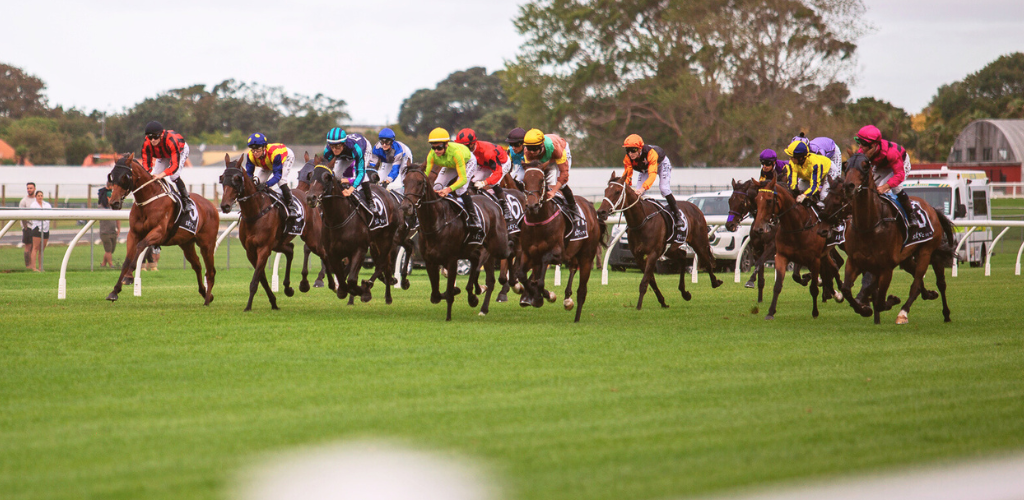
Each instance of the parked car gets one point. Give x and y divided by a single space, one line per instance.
725 244
621 258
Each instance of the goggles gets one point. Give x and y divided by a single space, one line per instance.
254 147
153 136
439 146
516 144
535 148
632 150
387 142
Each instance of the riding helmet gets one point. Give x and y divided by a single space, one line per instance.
516 135
257 140
386 133
869 134
534 137
336 136
633 141
154 128
466 137
439 135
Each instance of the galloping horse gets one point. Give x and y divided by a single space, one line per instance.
874 243
314 243
443 236
544 241
259 233
346 233
796 240
649 228
508 274
151 222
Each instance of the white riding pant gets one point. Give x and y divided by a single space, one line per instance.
264 174
447 174
161 164
837 163
802 185
553 171
483 173
664 177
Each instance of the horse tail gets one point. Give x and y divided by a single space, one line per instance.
945 251
602 227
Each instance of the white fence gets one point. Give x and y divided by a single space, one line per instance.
14 215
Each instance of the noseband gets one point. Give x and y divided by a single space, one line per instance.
616 206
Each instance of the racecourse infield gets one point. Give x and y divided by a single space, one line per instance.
160 397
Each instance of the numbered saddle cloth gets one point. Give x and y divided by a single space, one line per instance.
379 212
679 229
515 213
917 224
477 231
838 235
295 220
186 220
577 221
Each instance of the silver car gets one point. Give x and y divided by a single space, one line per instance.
725 245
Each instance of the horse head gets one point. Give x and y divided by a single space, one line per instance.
740 204
122 176
233 181
837 203
416 187
321 182
614 196
770 201
859 175
535 182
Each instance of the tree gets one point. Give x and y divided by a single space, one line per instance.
461 100
37 139
20 93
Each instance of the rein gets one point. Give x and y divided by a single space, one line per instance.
622 198
546 222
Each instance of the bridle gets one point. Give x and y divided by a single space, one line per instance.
236 182
126 184
543 191
616 205
420 202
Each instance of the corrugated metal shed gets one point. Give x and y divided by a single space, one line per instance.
989 142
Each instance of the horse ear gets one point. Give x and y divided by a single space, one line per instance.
227 160
131 158
306 156
614 176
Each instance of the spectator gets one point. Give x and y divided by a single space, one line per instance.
40 233
26 229
110 230
151 259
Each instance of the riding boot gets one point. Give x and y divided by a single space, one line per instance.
368 197
675 208
286 196
498 193
905 202
569 199
474 232
180 184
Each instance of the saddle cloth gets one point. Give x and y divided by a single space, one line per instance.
680 230
577 221
296 220
475 234
186 220
918 228
379 215
515 213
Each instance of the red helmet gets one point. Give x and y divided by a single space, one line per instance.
869 134
466 137
633 141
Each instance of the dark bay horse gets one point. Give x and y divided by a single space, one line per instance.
874 243
346 234
261 227
313 244
443 235
151 222
544 240
648 229
796 240
508 274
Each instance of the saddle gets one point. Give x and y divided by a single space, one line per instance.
294 216
680 229
186 220
378 214
513 215
577 229
916 225
476 232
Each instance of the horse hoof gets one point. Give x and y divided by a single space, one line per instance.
865 312
318 284
687 296
525 302
716 283
893 300
436 298
405 284
289 291
929 295
112 297
551 296
247 309
483 289
210 299
502 297
365 298
518 288
304 286
901 318
839 297
274 307
481 313
664 305
388 300
769 317
367 284
342 294
473 301
568 304
749 284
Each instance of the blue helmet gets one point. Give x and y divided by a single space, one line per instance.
386 133
336 136
257 140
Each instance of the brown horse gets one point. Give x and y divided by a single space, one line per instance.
151 222
874 243
346 234
649 228
313 244
796 240
261 227
507 275
443 235
544 240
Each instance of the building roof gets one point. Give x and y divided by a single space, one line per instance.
1011 131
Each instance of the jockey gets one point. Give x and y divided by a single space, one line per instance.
457 163
491 164
772 167
163 154
650 161
390 153
891 163
349 153
825 147
274 159
555 158
515 153
807 169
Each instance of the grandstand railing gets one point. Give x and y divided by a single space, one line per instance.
93 215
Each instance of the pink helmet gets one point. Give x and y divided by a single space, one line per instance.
869 134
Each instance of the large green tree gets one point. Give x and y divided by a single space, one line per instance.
36 139
20 93
470 98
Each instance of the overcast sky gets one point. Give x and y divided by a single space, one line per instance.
109 55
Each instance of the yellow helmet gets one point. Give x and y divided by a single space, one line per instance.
439 135
534 137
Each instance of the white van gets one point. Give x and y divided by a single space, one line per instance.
964 196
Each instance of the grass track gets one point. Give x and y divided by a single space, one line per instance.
158 397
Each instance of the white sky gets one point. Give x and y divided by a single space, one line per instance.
108 55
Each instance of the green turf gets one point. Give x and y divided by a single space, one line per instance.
159 397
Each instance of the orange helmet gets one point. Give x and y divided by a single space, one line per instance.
633 141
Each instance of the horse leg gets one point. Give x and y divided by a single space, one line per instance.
760 284
884 279
504 279
304 284
526 282
567 303
940 282
581 291
702 246
867 287
434 275
802 280
923 260
473 285
847 288
134 247
319 282
910 266
289 252
355 263
449 294
657 291
814 289
682 279
189 249
407 245
208 251
266 287
258 257
489 283
647 263
780 278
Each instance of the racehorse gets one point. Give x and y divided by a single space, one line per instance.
649 228
544 239
259 233
313 218
443 235
152 218
346 233
874 243
796 240
508 274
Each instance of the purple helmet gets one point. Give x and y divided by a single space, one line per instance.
768 155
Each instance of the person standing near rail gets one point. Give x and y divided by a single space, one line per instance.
40 232
26 229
